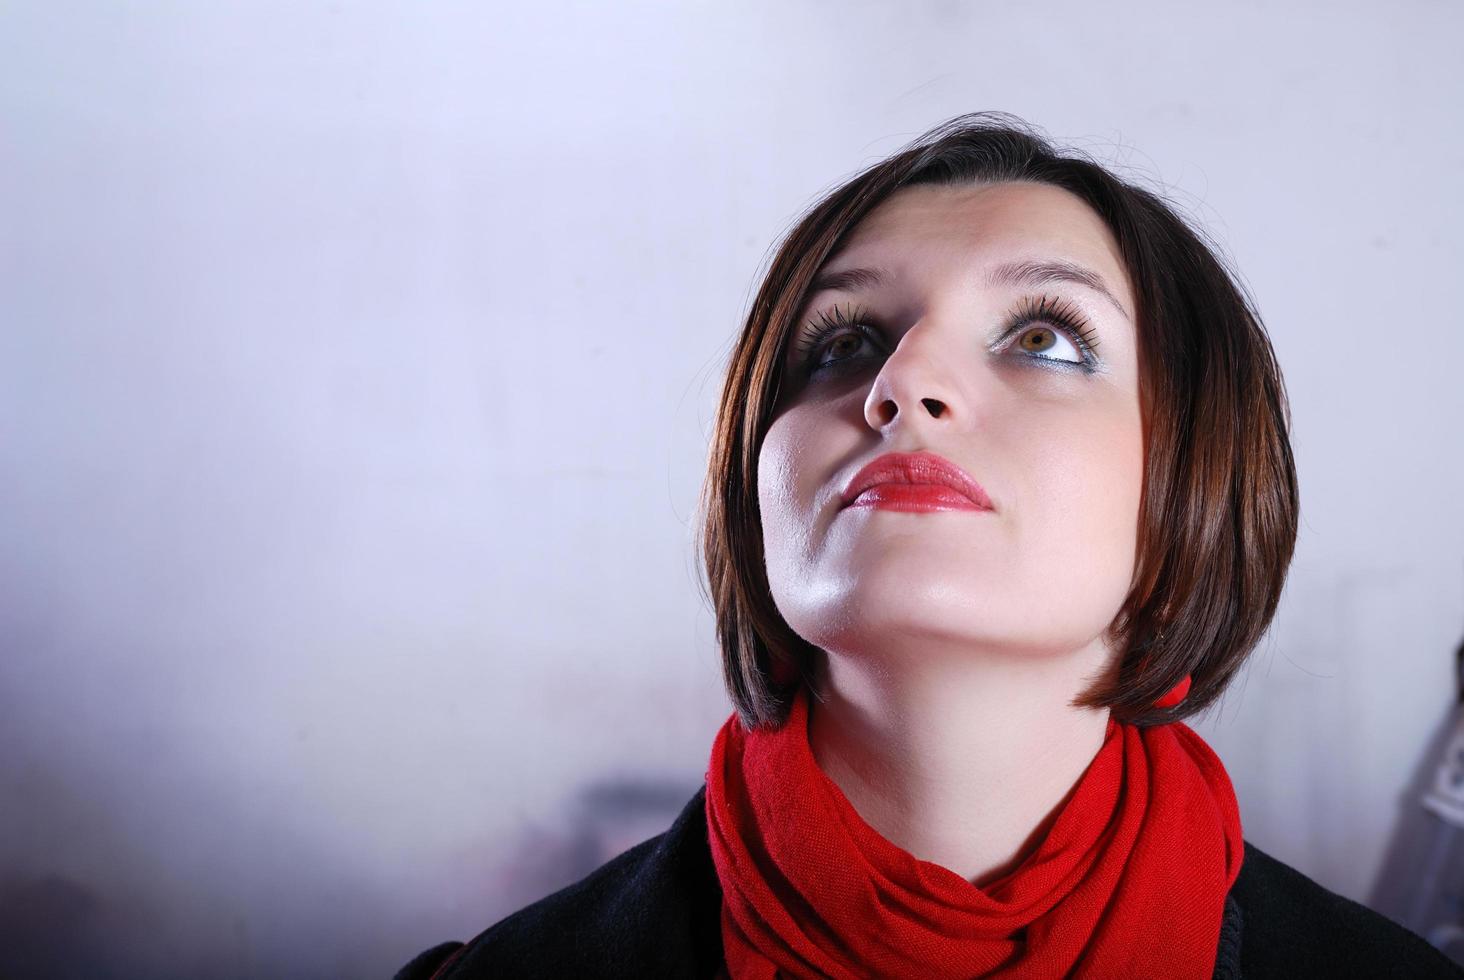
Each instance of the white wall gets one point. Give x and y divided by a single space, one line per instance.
356 369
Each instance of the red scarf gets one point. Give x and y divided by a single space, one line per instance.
1130 880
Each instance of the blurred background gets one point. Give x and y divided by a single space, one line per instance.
357 367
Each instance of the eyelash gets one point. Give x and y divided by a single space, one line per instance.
1044 309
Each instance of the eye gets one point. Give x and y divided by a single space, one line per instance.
834 337
1043 341
1053 331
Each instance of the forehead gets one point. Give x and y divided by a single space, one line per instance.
982 225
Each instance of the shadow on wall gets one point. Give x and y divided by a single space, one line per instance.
102 877
35 912
606 817
58 920
82 897
1421 883
86 895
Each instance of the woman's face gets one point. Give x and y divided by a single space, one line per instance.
941 358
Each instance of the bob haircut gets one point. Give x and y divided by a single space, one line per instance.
1218 511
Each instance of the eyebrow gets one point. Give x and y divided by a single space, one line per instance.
1021 273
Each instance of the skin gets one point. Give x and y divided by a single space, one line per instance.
953 641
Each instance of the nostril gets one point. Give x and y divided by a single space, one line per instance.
933 406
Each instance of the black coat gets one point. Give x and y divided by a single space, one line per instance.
654 911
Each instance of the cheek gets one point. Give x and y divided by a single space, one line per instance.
1081 518
801 448
778 491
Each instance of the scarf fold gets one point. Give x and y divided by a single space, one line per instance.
1130 880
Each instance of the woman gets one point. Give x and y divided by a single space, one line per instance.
1001 491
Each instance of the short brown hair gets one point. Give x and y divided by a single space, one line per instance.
1218 514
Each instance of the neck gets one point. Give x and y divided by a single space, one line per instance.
965 764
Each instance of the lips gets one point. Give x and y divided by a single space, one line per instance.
920 473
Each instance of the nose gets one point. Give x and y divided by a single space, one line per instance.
915 382
884 413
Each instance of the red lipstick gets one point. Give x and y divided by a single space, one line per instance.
919 482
